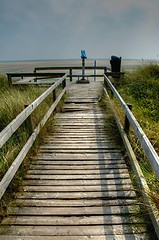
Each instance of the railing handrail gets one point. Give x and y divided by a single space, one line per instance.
143 139
8 131
70 67
16 123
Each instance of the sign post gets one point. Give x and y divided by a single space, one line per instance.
95 64
83 57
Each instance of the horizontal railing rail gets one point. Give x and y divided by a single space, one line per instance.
71 67
19 120
34 75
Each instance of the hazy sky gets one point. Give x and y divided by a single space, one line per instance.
59 29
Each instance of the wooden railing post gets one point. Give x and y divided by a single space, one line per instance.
10 80
54 95
83 68
95 65
70 74
127 123
105 70
28 122
64 83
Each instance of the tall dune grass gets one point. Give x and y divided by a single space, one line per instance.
141 89
12 101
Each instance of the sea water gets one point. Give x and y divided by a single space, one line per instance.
28 66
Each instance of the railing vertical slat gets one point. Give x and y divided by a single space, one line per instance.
70 74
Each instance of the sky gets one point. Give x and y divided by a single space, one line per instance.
60 29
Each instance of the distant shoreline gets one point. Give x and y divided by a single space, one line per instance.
29 65
75 59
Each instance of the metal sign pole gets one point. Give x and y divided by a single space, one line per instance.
94 70
83 57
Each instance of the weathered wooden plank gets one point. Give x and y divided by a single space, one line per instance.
75 106
68 68
82 176
77 172
74 188
74 151
80 134
77 141
82 146
92 118
69 221
73 211
111 156
80 115
79 163
79 98
90 123
79 137
90 115
94 202
99 135
80 126
79 166
142 236
93 113
77 195
77 182
79 146
73 230
81 129
81 101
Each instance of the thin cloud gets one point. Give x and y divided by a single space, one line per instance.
33 29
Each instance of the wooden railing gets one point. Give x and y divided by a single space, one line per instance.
33 76
144 141
147 147
106 70
17 122
70 69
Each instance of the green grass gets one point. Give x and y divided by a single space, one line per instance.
141 89
112 130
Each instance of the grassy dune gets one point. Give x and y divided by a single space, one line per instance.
12 101
141 89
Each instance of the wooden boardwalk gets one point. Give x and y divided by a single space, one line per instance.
78 186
